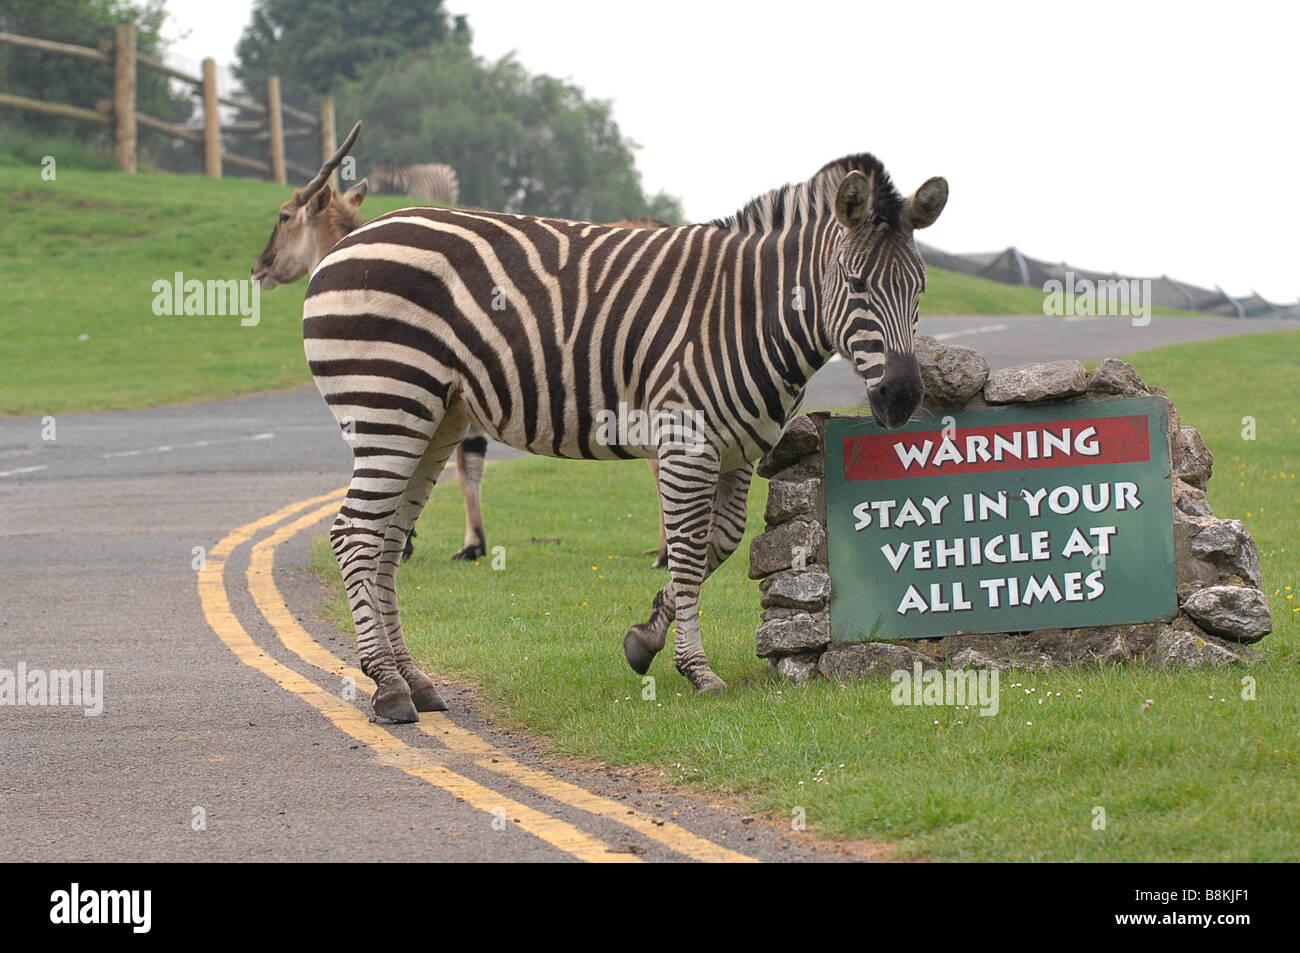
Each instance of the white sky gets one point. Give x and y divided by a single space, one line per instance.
1145 138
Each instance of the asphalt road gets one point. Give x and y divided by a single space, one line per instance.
224 735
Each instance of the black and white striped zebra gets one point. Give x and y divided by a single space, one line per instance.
429 182
426 319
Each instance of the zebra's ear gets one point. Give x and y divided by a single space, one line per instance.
853 200
923 206
355 195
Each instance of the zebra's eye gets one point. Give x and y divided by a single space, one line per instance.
284 216
858 285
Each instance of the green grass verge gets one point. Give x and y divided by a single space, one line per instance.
79 256
1200 774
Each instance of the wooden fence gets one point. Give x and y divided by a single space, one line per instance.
122 115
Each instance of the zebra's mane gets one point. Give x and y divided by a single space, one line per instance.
772 210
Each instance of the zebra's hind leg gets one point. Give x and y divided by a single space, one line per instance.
470 462
367 544
424 694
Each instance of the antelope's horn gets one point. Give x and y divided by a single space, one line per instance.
332 163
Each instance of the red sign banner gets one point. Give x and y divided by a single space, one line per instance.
1022 446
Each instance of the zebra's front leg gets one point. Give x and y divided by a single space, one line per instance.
645 640
688 485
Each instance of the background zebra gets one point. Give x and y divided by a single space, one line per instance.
427 319
431 182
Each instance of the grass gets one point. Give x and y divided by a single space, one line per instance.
78 259
79 256
1199 774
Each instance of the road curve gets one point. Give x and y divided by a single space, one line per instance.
167 549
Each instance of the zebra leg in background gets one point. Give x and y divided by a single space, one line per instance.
660 554
382 467
643 641
424 695
470 462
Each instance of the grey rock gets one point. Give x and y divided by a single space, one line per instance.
1227 545
1029 383
1183 645
850 660
1192 460
797 590
800 438
787 499
1189 499
952 375
799 669
974 658
1192 572
1114 376
1234 612
1046 648
775 550
800 633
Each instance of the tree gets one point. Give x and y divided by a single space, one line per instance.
63 79
313 45
518 142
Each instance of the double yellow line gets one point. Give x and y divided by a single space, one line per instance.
454 743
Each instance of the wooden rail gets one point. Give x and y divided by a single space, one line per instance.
125 119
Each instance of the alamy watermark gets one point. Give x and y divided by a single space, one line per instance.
1105 297
76 905
212 298
39 687
953 686
633 427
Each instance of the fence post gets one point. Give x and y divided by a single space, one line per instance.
276 121
124 97
211 120
327 143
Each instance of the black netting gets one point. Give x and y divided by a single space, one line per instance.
1012 267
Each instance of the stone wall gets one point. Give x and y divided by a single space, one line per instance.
1221 607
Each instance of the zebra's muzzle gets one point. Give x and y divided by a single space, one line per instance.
898 393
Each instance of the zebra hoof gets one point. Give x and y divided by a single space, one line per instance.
637 655
428 699
393 701
423 692
471 552
706 683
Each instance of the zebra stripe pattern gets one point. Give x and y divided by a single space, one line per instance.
541 330
430 182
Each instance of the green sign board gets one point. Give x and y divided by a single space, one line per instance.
1000 520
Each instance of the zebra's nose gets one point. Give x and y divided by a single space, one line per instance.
897 395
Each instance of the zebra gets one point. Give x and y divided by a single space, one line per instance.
431 182
426 319
308 226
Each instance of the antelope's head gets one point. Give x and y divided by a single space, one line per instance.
874 285
310 224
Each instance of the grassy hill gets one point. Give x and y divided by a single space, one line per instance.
79 257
